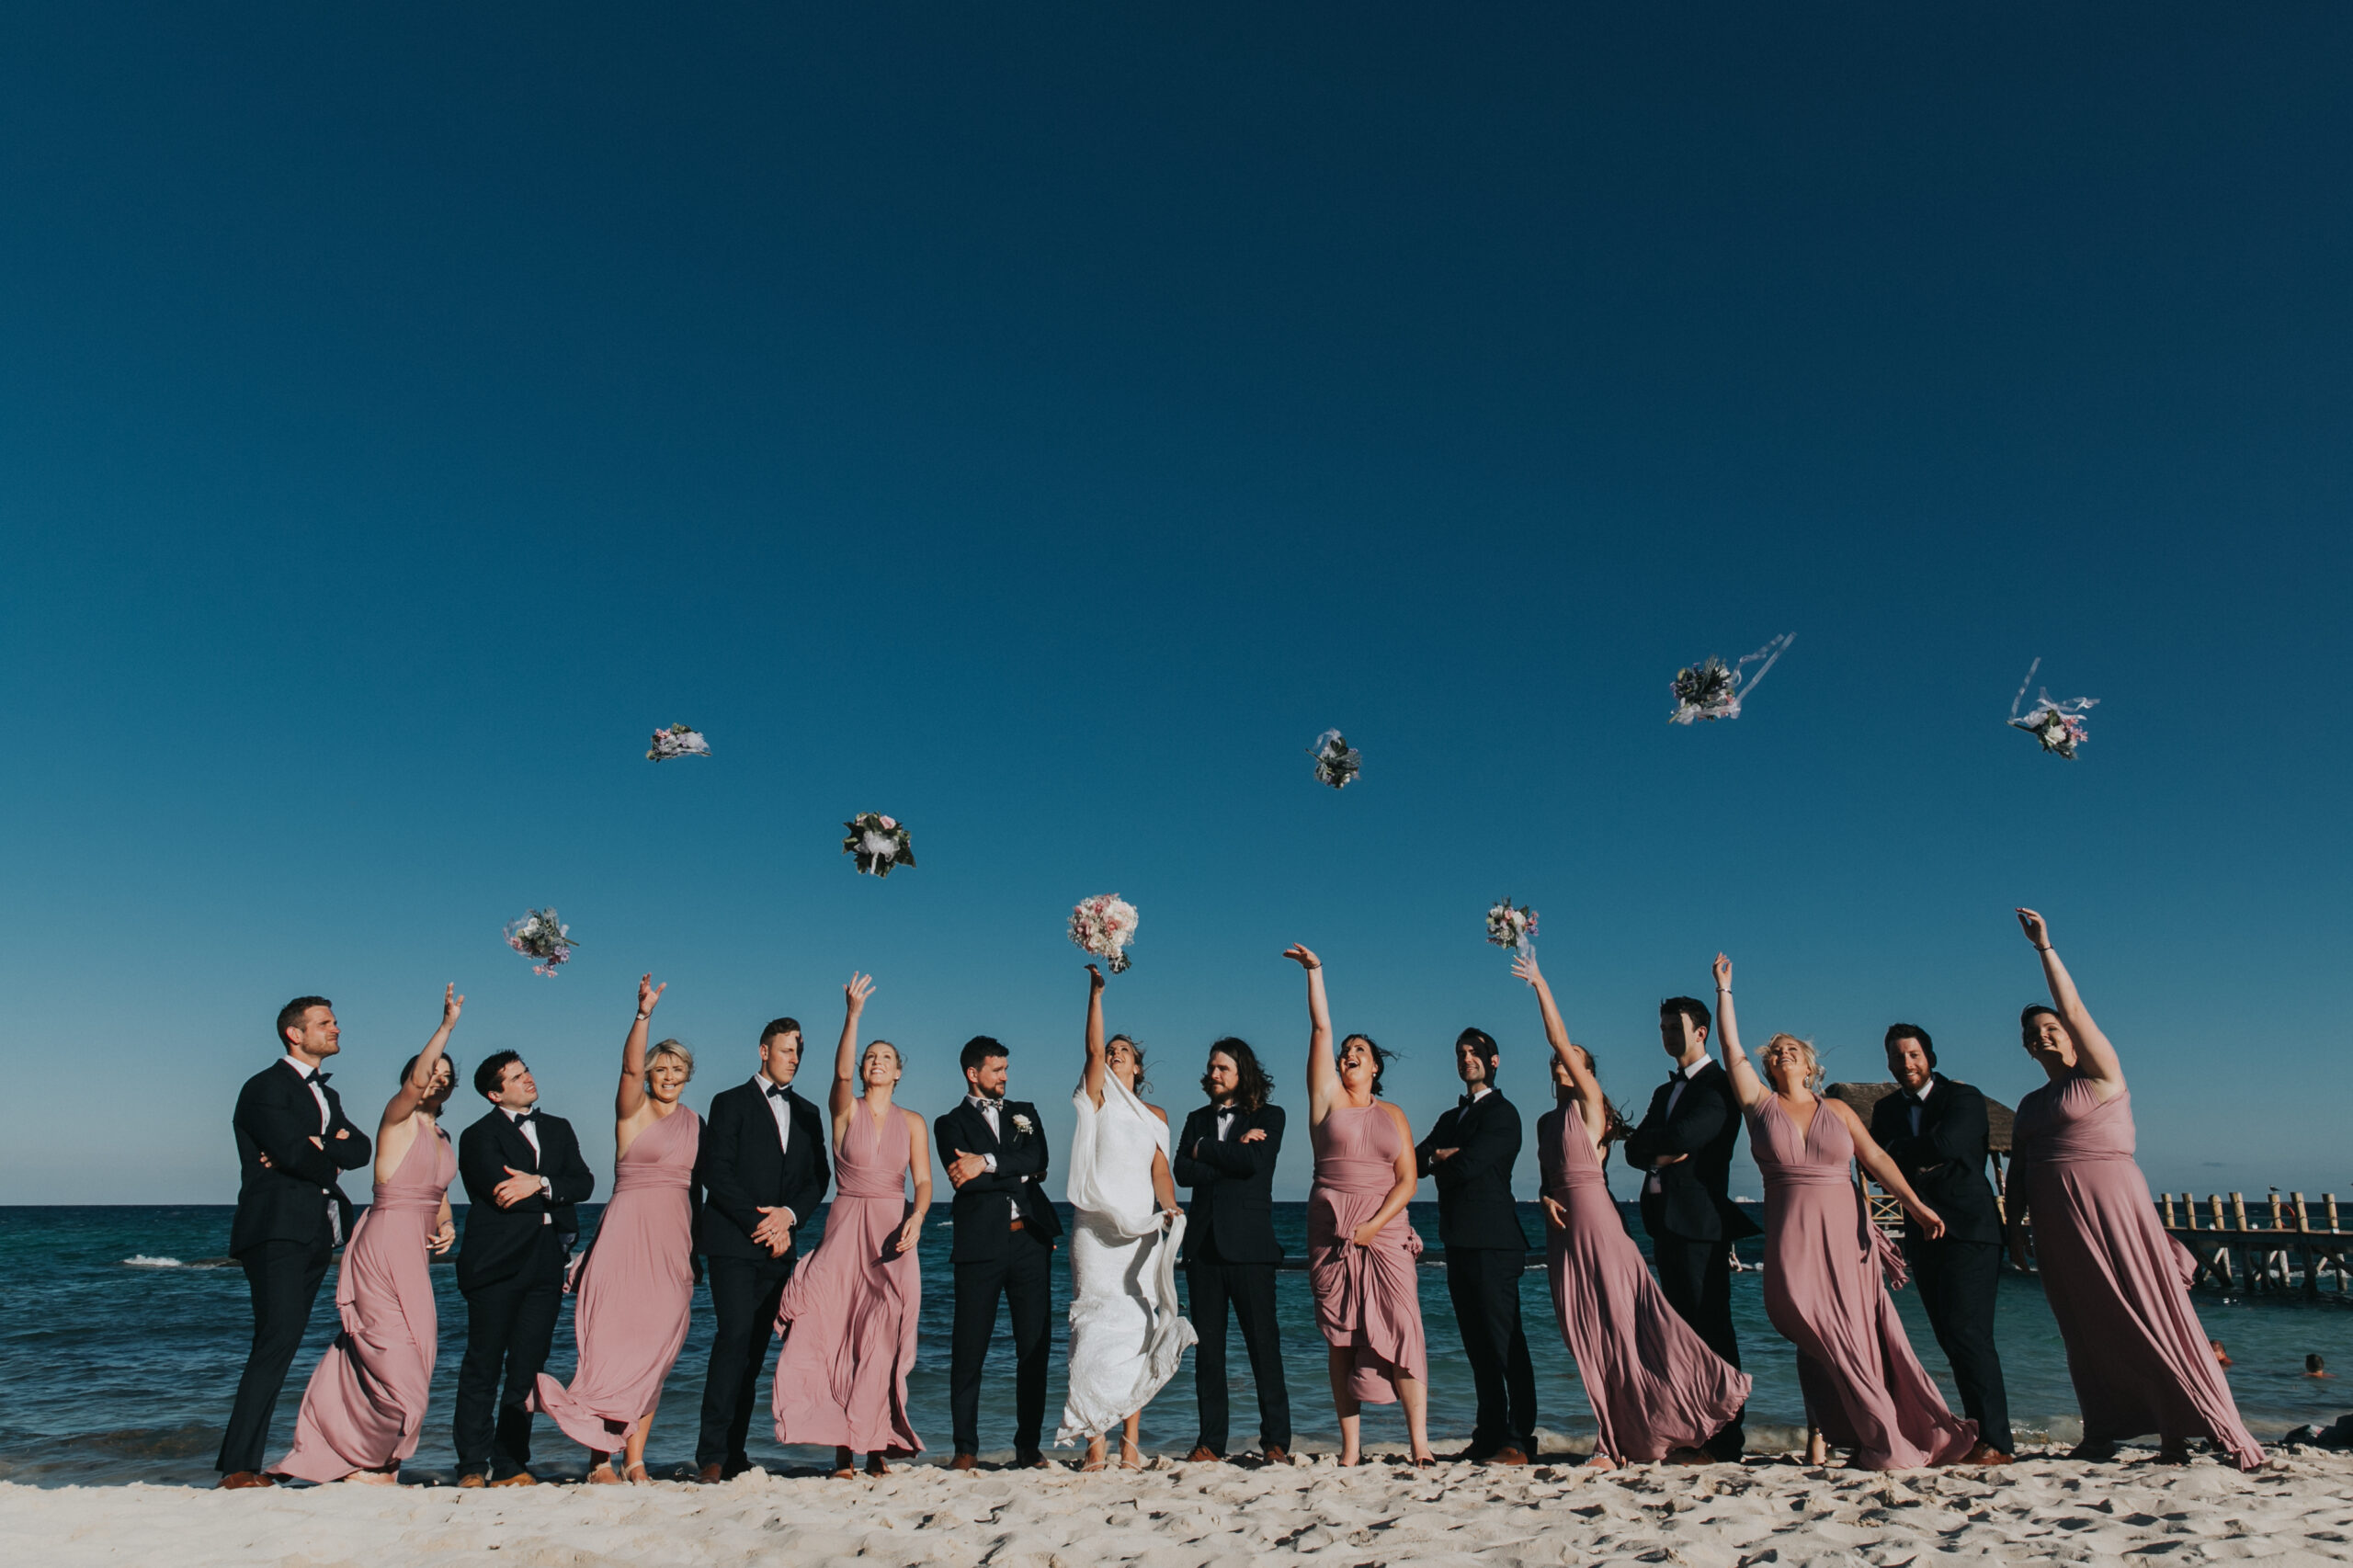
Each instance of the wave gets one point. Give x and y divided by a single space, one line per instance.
141 1260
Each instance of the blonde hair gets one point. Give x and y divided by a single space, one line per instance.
867 1055
1814 1073
671 1048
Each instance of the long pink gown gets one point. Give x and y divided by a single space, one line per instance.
1823 1291
850 1309
635 1291
2117 1283
1368 1301
365 1405
1653 1383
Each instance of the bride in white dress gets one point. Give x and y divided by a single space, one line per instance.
1126 1332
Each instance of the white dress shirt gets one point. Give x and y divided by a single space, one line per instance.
783 1114
309 1076
988 1162
1919 1096
530 1132
1682 1081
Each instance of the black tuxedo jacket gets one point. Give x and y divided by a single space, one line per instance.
1232 1211
1474 1206
286 1201
983 1224
741 1168
498 1242
1945 1161
1706 1126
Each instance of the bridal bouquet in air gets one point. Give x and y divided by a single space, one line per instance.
879 841
1514 930
2058 725
1337 762
542 938
1710 690
678 740
1104 926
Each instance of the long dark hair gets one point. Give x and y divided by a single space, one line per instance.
1380 1059
1614 1125
2025 1024
1251 1095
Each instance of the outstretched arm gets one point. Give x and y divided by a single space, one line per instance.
1590 1103
419 1082
1745 1083
2093 1052
1322 1072
1873 1158
845 1090
630 1098
1093 1076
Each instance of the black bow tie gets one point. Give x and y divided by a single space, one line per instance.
1467 1101
778 1091
520 1118
315 1076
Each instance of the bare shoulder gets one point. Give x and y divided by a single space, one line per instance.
1158 1112
1397 1115
915 1127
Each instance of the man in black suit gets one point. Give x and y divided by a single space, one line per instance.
1471 1152
1684 1150
523 1174
995 1151
1226 1153
1935 1130
761 1170
293 1146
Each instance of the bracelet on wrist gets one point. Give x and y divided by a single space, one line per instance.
2044 948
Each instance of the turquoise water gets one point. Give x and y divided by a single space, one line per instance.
122 1331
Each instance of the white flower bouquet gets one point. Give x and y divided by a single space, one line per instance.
1104 926
542 938
1337 762
879 841
1514 930
1709 690
2058 725
678 740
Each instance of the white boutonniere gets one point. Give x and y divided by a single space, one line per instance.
1021 1123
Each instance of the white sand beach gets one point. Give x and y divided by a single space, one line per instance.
1194 1515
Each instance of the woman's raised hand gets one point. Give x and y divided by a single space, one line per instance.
649 995
1298 954
855 994
1094 979
1723 973
451 1004
2037 930
1524 966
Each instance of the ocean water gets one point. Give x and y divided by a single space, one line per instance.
122 1331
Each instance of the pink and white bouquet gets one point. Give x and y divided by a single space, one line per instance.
1709 690
1337 762
542 938
678 740
879 841
1104 926
1514 930
2058 725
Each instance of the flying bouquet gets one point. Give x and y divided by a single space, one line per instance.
1337 762
1711 691
2058 725
879 841
1104 926
678 740
542 938
1514 930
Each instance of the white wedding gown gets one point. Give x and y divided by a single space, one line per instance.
1126 1332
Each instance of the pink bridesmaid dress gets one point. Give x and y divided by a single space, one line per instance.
1368 1301
366 1402
1653 1383
2117 1283
850 1312
635 1291
1822 1290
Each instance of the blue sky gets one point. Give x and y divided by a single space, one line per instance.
1038 422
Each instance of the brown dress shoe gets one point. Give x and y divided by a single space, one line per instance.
1203 1454
710 1475
1690 1456
964 1461
473 1478
1275 1454
1507 1455
1985 1453
520 1478
1032 1461
239 1480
